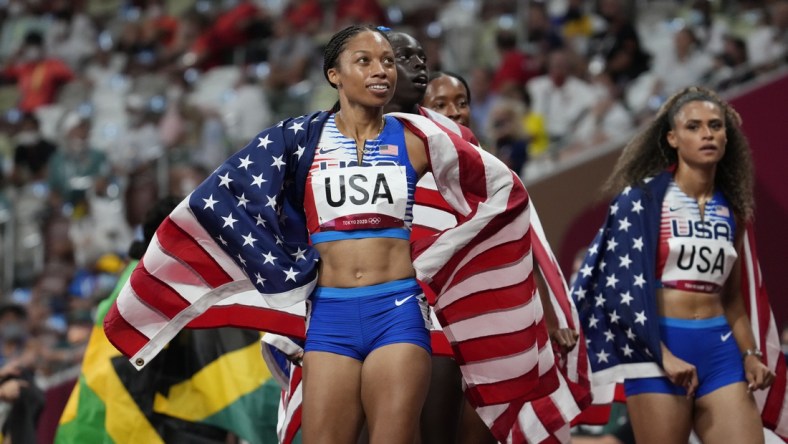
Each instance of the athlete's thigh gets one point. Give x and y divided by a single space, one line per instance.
440 416
659 418
473 430
394 383
727 415
331 409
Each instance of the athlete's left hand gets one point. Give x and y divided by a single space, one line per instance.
565 338
758 375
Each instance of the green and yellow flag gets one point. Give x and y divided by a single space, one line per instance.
205 380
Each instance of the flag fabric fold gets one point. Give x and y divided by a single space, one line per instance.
614 293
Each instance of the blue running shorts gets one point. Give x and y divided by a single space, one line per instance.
355 321
708 344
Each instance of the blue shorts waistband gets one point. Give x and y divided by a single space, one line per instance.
330 236
369 290
717 321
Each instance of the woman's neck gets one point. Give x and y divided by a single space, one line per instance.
697 183
359 123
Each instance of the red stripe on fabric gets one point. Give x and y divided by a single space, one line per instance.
506 422
179 243
552 276
294 422
257 318
549 415
595 414
483 302
620 395
524 388
497 346
422 232
440 345
155 293
432 198
498 223
293 426
500 256
772 408
121 334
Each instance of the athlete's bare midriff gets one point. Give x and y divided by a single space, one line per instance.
682 304
361 262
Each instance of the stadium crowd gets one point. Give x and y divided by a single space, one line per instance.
109 105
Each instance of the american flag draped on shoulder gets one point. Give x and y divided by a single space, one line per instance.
614 293
234 253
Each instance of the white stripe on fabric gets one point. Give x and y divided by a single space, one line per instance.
498 278
532 427
495 323
433 218
515 231
184 218
253 298
165 334
502 368
145 319
624 371
177 275
427 182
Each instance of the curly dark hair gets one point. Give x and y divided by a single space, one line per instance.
648 153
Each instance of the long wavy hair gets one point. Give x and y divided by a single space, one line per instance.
648 153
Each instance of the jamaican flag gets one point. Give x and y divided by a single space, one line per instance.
205 384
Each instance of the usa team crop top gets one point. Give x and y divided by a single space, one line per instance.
695 253
345 200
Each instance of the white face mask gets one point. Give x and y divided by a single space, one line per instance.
32 54
27 138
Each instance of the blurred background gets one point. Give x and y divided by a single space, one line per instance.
107 106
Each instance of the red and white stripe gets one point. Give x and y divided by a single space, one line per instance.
771 402
487 302
186 280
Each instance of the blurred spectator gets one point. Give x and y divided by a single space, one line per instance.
31 153
542 36
731 66
681 65
577 26
290 54
515 68
461 44
483 97
70 36
247 109
617 47
768 45
37 76
304 15
560 97
358 11
709 28
607 119
139 145
20 401
218 40
77 168
505 130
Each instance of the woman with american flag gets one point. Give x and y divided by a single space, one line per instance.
318 209
669 292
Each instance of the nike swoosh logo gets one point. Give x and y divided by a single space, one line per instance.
326 151
675 209
399 302
726 336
